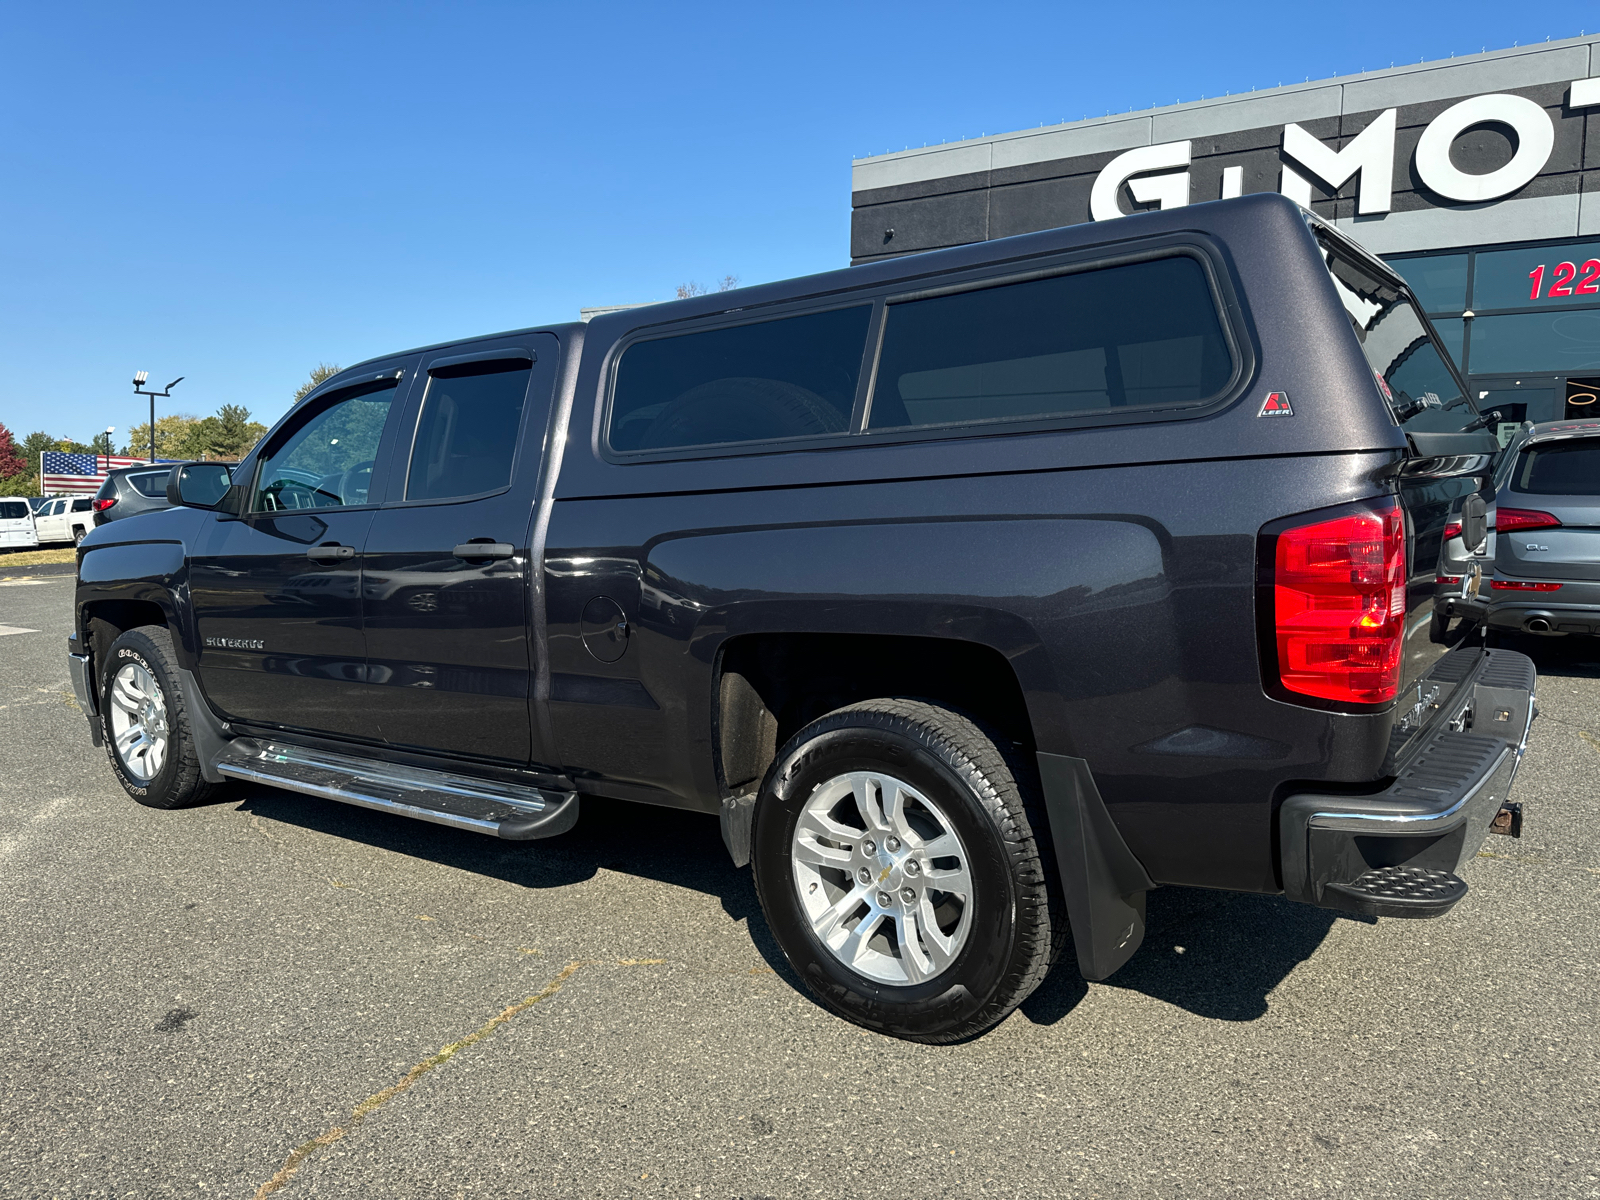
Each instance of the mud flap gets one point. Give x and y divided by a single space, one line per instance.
1104 883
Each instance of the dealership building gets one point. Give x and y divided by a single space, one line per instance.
1477 178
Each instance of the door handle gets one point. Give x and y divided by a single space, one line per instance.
484 550
331 552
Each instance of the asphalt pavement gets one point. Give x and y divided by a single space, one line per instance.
278 995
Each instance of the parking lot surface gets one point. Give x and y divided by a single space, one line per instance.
278 995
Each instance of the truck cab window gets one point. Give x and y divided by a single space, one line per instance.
326 460
467 431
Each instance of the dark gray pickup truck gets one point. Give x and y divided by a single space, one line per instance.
979 591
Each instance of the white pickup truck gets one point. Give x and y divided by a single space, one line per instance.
65 519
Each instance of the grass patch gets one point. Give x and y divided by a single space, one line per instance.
35 558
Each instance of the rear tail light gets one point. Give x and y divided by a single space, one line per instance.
1339 606
102 505
1448 579
1452 530
1523 585
1506 520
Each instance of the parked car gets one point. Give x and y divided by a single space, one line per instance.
1539 569
978 592
129 491
65 519
1461 567
17 531
38 502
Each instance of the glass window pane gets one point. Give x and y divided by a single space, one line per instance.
326 462
1439 280
1558 276
467 435
1451 331
1554 342
150 483
1562 469
794 377
1421 387
1144 335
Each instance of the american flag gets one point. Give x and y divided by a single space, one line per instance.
65 474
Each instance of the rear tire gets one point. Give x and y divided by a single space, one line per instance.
865 813
144 719
78 534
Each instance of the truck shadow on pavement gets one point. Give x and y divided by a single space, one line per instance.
1215 954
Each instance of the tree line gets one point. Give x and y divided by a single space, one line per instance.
226 435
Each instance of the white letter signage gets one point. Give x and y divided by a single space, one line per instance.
1171 191
1536 137
1371 152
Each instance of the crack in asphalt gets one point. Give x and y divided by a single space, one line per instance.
303 1152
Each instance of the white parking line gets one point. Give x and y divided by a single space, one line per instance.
6 629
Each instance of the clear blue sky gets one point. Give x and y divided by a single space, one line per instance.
236 192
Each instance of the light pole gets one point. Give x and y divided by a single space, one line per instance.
139 390
110 429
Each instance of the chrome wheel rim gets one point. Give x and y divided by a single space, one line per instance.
882 877
139 728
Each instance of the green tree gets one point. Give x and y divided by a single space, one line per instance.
172 433
320 374
36 444
228 434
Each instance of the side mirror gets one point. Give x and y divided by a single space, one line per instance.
198 485
1474 522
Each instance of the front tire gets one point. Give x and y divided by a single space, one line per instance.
897 853
144 719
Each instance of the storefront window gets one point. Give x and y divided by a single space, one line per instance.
1556 343
1538 276
1451 330
1438 280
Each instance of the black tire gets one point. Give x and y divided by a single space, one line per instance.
178 782
1018 925
78 534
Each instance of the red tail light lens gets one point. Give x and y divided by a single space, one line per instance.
1339 600
1523 585
1452 530
1507 520
102 505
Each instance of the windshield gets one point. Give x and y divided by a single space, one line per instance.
1415 376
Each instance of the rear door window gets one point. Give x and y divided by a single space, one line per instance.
793 377
1559 469
467 431
1135 336
149 483
86 505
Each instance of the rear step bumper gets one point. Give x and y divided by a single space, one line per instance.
1396 853
506 810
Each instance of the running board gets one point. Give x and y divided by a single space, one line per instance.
507 810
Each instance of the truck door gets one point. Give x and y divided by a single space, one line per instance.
446 583
276 589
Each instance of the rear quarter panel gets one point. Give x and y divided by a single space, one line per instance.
1123 598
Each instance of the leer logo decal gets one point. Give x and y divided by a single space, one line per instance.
1276 405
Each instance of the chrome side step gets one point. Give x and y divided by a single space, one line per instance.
506 810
